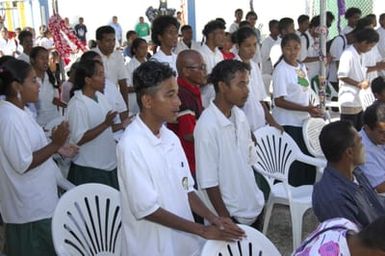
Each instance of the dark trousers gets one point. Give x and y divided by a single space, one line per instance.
300 173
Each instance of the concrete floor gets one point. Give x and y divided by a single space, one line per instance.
279 230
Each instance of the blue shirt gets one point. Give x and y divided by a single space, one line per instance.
337 196
373 168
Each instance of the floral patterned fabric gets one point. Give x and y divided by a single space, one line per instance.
329 239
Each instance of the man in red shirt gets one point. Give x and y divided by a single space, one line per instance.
191 75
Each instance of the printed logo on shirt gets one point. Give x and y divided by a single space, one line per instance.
302 81
185 183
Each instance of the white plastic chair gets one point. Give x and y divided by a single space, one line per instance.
314 100
366 97
311 131
255 244
87 221
275 153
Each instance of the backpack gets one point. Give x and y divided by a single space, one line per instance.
329 43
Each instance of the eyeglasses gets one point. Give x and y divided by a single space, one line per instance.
201 67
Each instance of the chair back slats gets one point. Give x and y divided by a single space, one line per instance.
87 221
255 244
274 153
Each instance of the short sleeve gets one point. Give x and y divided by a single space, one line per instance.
136 181
20 154
206 157
345 65
77 118
279 83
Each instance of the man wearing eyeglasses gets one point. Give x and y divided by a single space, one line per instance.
192 75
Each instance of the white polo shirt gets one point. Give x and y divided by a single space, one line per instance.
46 110
371 58
114 97
211 59
276 51
223 155
153 172
339 44
267 67
182 46
114 68
132 102
257 93
84 114
285 84
352 65
381 43
24 196
160 56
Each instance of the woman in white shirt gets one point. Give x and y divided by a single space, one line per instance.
28 186
139 53
49 105
255 108
291 92
90 117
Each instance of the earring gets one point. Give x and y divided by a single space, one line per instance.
18 95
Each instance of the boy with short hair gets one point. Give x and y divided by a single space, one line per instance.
156 187
224 150
378 88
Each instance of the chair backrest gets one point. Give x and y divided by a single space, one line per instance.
366 97
255 244
275 152
311 131
87 221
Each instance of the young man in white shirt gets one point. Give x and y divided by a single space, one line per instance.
352 75
156 186
113 60
224 150
267 67
214 34
352 15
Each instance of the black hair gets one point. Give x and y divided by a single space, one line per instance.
272 23
251 13
382 17
225 71
51 77
330 16
285 40
373 236
221 20
86 68
351 12
91 44
89 55
104 30
285 23
130 33
302 18
374 113
335 138
211 26
315 22
136 43
23 34
362 23
12 70
244 23
378 85
242 34
185 27
368 35
159 26
238 10
148 76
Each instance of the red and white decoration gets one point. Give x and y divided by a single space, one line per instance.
62 35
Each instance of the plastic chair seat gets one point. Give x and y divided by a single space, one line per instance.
299 195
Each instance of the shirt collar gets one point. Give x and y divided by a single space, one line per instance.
223 120
153 139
